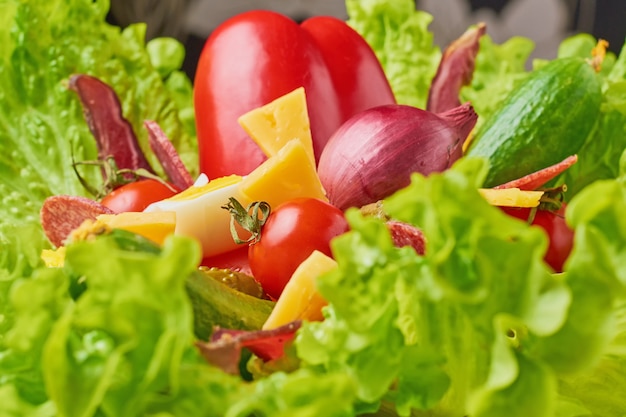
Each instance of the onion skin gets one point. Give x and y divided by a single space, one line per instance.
374 153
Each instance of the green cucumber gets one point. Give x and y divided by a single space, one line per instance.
237 280
219 297
547 118
215 303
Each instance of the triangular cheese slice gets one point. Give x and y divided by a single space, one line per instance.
300 299
276 123
287 175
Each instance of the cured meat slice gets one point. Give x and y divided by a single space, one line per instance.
405 234
536 179
224 348
61 214
456 69
169 159
114 135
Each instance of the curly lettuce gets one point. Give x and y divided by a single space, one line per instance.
477 326
399 36
42 129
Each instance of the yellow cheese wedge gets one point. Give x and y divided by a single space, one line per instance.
300 299
53 258
274 124
155 226
287 175
511 197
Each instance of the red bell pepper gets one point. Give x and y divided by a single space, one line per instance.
258 56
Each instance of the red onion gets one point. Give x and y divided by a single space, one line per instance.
374 153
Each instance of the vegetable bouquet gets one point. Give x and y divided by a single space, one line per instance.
475 323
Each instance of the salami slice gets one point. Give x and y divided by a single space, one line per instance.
535 180
61 214
405 234
113 133
165 152
456 69
224 348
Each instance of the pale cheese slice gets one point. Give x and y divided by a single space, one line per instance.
200 213
511 197
276 123
300 299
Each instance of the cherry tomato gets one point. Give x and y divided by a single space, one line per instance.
291 233
236 259
137 195
561 236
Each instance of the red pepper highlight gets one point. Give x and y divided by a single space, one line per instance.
258 56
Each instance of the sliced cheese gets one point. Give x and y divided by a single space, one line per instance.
88 229
287 175
274 124
200 213
53 258
155 226
300 299
204 186
511 197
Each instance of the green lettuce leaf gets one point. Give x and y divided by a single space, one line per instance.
123 339
42 128
125 346
38 302
478 325
399 36
498 70
601 391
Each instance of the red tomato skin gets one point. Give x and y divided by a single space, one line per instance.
137 195
249 61
291 233
560 235
236 260
357 75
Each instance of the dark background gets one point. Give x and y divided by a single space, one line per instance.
602 18
608 16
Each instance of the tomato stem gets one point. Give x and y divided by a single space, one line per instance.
251 219
114 177
552 198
